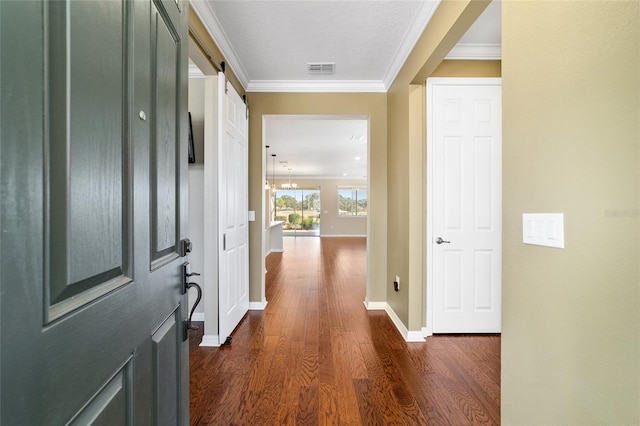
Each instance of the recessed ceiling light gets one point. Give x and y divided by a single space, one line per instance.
344 174
357 158
356 137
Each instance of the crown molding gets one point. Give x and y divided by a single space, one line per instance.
320 86
213 27
476 52
415 30
347 179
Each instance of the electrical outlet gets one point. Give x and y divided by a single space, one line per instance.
396 284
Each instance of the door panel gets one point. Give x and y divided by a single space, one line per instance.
84 334
233 202
111 405
164 174
465 129
88 211
166 350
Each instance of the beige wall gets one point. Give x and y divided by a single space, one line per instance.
571 108
406 155
371 105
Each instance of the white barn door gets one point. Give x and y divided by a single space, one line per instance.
464 239
233 160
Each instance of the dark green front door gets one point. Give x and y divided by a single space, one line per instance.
93 180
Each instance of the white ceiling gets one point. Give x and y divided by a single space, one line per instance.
268 44
317 147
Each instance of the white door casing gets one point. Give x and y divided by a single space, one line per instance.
210 244
233 160
464 205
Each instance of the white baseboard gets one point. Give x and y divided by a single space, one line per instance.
374 306
210 340
409 336
415 336
198 316
426 332
257 306
273 251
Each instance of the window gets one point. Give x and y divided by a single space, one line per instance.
298 209
352 201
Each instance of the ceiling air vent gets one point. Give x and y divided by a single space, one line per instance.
321 67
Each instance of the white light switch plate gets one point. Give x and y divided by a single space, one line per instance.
252 215
543 229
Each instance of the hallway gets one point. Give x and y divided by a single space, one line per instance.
316 356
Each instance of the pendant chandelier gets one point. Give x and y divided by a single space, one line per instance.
273 172
289 185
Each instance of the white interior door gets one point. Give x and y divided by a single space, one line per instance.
233 197
465 204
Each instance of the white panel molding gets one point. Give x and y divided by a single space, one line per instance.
317 86
210 340
415 30
213 27
476 52
258 306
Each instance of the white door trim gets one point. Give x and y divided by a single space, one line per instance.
210 201
428 329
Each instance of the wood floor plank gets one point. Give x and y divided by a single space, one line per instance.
292 382
358 369
481 371
286 415
316 356
383 390
307 413
369 411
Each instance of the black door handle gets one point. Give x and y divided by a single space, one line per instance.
186 285
190 326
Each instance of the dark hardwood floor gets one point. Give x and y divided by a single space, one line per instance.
315 356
